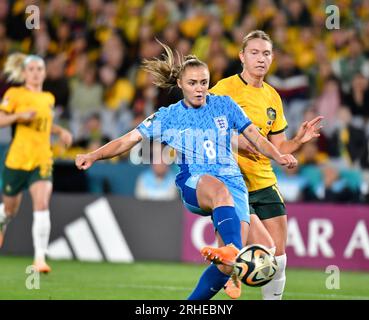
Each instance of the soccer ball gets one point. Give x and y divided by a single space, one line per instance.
255 266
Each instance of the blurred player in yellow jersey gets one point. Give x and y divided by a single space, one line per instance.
263 106
28 163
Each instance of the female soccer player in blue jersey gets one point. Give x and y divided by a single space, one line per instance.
199 128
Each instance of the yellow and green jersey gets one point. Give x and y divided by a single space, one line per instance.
264 108
30 147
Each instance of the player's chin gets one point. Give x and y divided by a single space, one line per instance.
198 102
260 72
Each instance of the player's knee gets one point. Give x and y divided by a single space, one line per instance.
222 196
42 207
282 263
280 249
11 209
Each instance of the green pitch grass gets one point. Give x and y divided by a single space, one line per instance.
154 281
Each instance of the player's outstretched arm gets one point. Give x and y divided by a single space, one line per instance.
7 119
267 148
307 131
109 150
241 144
64 135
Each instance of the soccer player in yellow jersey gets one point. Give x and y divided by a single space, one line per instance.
28 163
263 106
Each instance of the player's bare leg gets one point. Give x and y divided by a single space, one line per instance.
257 234
212 194
277 228
40 193
8 209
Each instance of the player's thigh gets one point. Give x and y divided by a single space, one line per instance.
268 205
212 193
41 192
277 228
258 234
14 183
40 187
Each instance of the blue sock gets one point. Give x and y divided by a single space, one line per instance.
227 223
211 281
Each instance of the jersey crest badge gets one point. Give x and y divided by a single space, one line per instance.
221 123
271 113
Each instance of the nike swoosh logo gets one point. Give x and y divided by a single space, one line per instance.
220 222
277 294
181 131
212 289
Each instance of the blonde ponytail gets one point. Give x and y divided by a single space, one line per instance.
14 66
166 72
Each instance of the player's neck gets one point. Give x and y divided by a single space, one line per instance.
252 80
34 88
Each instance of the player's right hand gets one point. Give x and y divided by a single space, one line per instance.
84 161
26 116
288 160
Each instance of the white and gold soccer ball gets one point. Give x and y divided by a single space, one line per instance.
255 265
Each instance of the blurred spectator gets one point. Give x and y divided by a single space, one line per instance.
114 55
328 103
355 62
157 182
92 136
293 86
212 43
86 97
321 69
324 181
118 95
57 83
194 18
144 104
160 13
346 145
358 99
297 13
263 11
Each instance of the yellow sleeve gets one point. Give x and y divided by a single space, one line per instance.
280 124
8 103
220 89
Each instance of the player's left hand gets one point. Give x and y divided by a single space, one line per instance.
309 130
66 137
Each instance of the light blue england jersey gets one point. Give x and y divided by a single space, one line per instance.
201 136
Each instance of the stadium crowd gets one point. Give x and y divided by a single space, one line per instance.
93 50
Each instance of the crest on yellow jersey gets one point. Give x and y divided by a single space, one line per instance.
271 113
8 188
